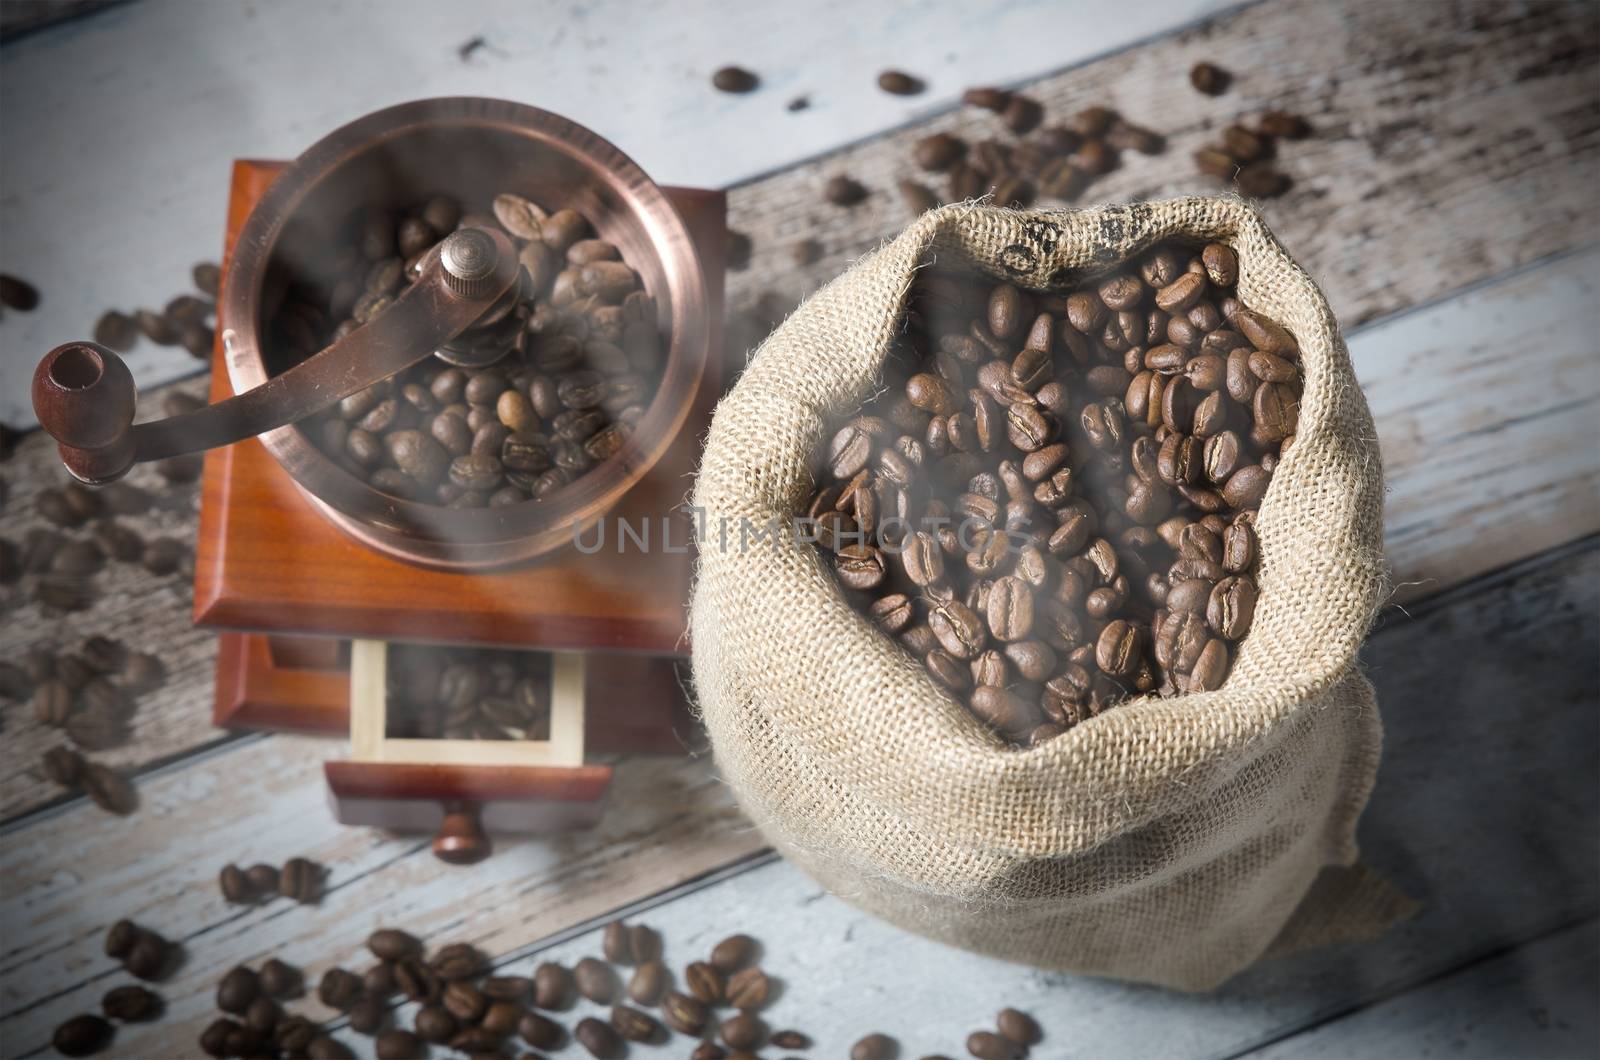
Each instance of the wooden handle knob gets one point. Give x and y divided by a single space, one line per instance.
461 839
84 397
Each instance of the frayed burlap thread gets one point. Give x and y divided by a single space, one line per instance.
1170 841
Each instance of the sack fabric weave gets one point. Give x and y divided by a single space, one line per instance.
1171 841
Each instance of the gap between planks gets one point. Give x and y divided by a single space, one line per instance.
1382 198
540 889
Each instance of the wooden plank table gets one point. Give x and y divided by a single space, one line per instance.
1443 206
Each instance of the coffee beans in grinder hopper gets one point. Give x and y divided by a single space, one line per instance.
582 357
1052 503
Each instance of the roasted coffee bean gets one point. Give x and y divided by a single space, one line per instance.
1018 1027
391 944
1231 607
464 1001
163 555
987 1045
263 880
1210 79
81 1036
214 1040
743 1031
108 789
733 953
241 986
62 765
748 988
434 1023
539 1031
116 330
508 987
323 1047
649 982
1211 667
52 702
633 1025
379 981
708 1051
875 1047
395 1044
301 880
339 988
734 79
130 1004
790 1040
842 190
552 986
120 939
705 982
595 980
1005 711
683 1013
938 152
898 83
294 1034
149 956
501 1017
156 327
280 980
616 943
457 961
235 885
598 1038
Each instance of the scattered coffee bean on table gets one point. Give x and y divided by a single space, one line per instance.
116 330
301 879
207 278
1245 157
1038 503
734 79
899 83
82 1036
130 1004
875 1047
843 190
17 293
1209 79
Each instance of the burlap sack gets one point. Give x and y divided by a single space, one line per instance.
1169 841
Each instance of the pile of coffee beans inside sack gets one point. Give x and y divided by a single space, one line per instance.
583 355
467 694
1052 500
457 1000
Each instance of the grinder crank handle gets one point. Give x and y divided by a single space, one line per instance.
84 394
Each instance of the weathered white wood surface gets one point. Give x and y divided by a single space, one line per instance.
667 821
1456 143
163 94
1453 143
1534 1002
1488 414
1487 820
1487 460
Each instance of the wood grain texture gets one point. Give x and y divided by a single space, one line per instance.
1486 464
666 821
1491 825
1488 414
1453 142
123 232
1533 1002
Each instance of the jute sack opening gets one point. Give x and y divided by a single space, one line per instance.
1171 841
